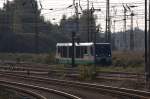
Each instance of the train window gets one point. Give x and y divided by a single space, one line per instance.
61 51
85 50
81 51
70 51
103 50
78 52
64 51
92 50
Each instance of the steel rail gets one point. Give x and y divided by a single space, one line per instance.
61 93
67 95
105 75
28 92
112 90
76 76
46 67
65 69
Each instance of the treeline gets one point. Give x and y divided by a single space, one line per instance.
84 29
119 43
20 20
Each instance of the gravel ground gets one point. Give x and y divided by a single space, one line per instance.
80 92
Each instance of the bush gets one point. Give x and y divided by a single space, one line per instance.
125 62
128 58
50 58
87 72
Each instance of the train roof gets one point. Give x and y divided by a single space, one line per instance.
78 44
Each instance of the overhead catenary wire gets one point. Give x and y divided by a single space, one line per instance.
97 4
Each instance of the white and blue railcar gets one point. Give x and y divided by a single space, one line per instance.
84 53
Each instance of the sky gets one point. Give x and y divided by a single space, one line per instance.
60 7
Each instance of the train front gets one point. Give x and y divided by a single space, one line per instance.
103 53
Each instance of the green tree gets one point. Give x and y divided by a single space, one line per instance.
87 23
21 19
69 25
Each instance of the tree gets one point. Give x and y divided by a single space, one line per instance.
7 37
24 15
69 25
85 28
21 19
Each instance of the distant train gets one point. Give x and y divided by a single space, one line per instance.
84 53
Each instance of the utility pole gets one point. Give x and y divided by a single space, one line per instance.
74 34
88 28
132 33
36 33
114 30
92 29
108 32
34 5
77 17
7 15
4 2
125 23
94 72
146 46
149 51
92 33
73 47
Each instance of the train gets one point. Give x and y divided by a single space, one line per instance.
85 53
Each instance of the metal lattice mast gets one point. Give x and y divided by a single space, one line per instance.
132 33
149 50
146 56
108 32
88 27
125 24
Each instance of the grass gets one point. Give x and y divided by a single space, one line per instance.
121 61
128 58
125 62
138 69
27 57
8 94
87 72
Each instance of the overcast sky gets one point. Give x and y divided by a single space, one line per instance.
116 5
60 7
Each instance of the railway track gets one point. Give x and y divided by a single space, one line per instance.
83 93
51 68
36 91
114 91
75 73
26 93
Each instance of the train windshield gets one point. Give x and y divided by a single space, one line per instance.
103 50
